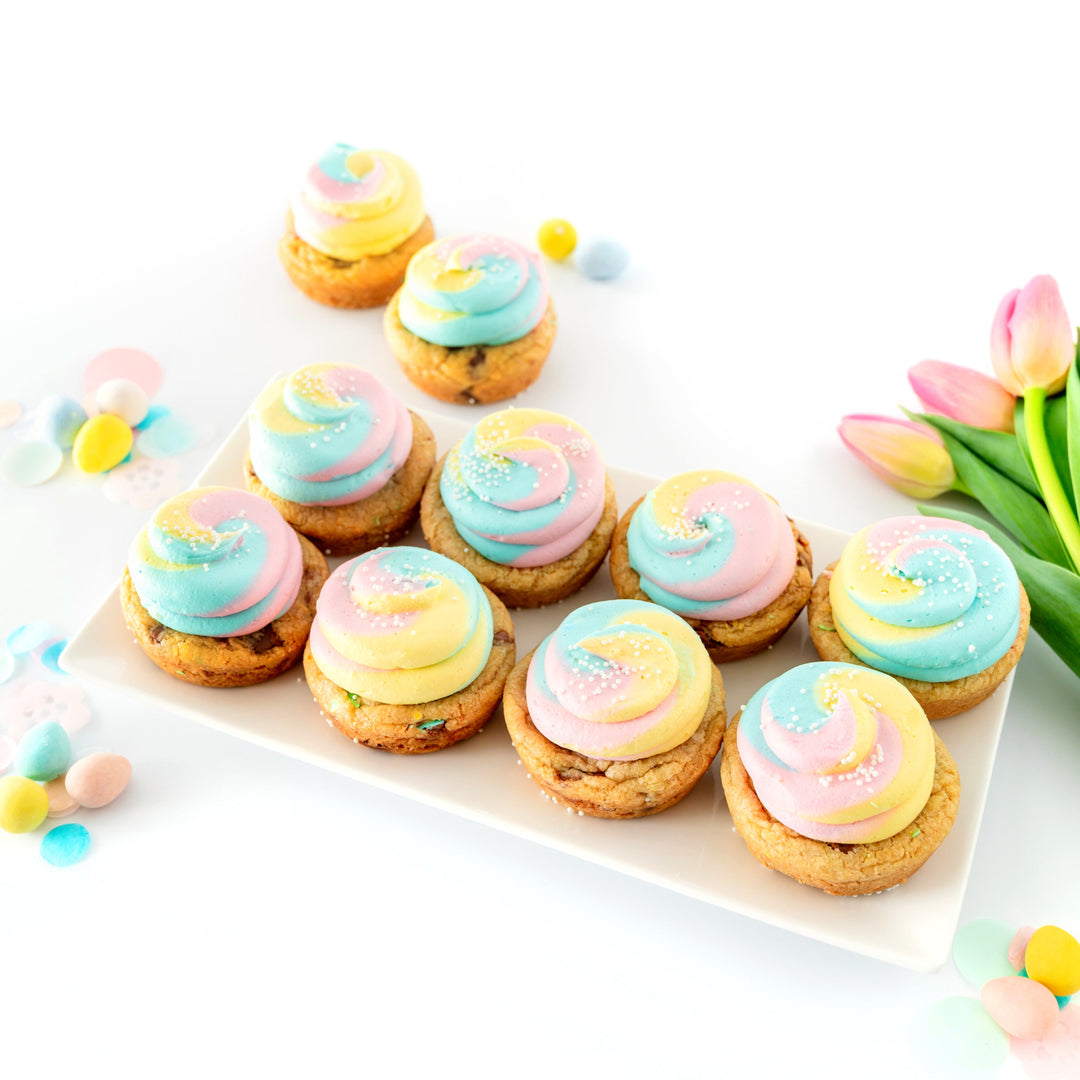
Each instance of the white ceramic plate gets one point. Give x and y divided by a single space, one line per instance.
691 849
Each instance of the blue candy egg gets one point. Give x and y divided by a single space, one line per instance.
59 419
602 259
44 752
65 844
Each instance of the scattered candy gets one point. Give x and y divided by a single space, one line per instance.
61 804
153 414
1056 1057
44 753
29 463
167 437
59 419
1018 946
102 442
23 804
141 368
602 259
557 238
1023 1007
7 752
1053 959
97 779
65 844
51 656
26 638
123 398
10 411
981 951
37 702
964 1032
7 665
143 482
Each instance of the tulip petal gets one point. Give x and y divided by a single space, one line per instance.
909 456
963 394
1040 338
1001 344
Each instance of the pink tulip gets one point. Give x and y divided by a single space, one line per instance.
1031 340
963 394
908 455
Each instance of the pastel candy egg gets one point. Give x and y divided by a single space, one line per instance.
59 419
1018 946
23 804
65 845
1053 959
61 804
44 752
97 779
123 398
557 238
1024 1008
602 259
103 442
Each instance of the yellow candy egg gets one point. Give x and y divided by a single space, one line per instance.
102 442
23 804
557 238
1053 958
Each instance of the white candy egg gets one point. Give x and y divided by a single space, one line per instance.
123 398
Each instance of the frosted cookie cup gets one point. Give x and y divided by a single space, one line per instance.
342 459
931 601
408 653
473 322
353 226
619 712
219 590
834 777
716 550
523 502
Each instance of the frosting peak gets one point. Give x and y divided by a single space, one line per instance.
525 487
838 752
710 545
473 290
328 434
216 562
355 203
618 680
402 626
925 598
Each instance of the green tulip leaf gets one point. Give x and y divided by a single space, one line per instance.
1018 511
1057 413
1053 591
1072 434
996 448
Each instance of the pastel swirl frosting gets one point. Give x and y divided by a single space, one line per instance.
838 752
473 290
525 487
402 626
710 545
328 434
355 203
216 562
925 598
619 680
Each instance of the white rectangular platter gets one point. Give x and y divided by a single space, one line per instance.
690 848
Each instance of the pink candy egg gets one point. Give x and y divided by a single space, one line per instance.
97 779
1023 1007
1018 946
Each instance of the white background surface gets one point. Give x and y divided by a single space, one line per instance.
815 200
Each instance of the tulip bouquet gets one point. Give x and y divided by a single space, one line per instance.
1011 443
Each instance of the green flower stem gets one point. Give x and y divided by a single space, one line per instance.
1049 481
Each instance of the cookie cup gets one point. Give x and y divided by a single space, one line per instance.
429 725
230 661
518 586
840 869
612 789
470 374
938 699
366 282
734 639
378 520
